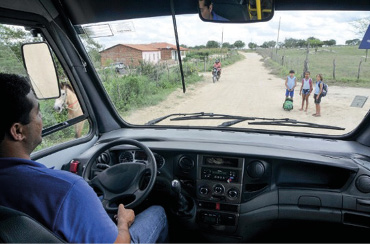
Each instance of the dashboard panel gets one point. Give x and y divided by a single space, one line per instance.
236 185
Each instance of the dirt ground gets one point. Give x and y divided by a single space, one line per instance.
247 88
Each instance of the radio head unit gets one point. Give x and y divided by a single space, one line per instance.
218 174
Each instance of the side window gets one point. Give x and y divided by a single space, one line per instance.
54 111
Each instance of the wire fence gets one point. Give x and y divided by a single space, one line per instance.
336 64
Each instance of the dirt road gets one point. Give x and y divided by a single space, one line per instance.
247 89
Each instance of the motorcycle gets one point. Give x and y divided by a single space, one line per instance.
215 74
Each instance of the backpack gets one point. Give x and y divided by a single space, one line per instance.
325 89
288 104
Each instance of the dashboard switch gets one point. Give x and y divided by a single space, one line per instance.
203 190
232 193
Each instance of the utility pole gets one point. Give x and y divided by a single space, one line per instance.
277 40
222 36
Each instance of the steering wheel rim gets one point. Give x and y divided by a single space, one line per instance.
129 174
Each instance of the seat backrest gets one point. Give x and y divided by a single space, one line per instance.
17 227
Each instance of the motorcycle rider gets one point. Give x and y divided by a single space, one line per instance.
217 65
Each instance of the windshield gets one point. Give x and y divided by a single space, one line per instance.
302 71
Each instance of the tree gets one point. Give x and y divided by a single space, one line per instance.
212 44
361 26
268 44
301 43
226 45
290 43
330 42
11 40
93 48
353 42
314 42
199 47
252 45
239 44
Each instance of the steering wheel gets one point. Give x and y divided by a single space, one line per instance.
123 179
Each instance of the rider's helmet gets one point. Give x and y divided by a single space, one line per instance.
217 61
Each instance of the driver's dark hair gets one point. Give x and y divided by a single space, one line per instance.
207 3
16 107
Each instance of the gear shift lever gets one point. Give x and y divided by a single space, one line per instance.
182 203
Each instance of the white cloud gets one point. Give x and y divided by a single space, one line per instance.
324 25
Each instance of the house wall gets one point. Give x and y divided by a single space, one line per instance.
166 54
127 55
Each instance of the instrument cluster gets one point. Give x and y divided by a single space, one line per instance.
137 156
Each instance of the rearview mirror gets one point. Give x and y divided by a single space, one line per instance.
236 11
41 70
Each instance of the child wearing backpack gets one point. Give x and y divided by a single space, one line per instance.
306 89
318 94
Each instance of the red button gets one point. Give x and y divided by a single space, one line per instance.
217 206
74 166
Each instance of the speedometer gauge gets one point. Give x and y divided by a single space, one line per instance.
160 160
126 157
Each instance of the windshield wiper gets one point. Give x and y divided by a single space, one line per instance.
203 115
238 119
280 122
157 120
297 124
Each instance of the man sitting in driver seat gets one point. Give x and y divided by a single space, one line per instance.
61 201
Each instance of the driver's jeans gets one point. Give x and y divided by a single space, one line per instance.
150 226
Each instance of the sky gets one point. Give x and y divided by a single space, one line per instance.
192 31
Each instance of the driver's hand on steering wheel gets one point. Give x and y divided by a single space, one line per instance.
124 217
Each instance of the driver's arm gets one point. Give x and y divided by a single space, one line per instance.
125 218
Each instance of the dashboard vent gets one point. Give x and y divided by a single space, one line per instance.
103 158
256 169
363 183
357 220
186 163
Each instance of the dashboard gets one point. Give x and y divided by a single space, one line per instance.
235 186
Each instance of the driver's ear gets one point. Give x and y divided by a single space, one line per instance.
16 132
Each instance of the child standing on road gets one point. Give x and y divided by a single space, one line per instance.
317 94
306 89
290 84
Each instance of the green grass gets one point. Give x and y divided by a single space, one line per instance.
347 60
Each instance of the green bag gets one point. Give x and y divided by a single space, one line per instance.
288 104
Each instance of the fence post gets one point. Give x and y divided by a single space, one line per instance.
305 66
334 69
359 70
168 71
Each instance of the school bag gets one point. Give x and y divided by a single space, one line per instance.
288 104
325 89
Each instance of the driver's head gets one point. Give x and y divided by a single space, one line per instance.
205 7
21 120
217 61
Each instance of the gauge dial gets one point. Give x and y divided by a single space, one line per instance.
160 160
126 157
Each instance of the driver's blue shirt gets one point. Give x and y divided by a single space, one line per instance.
60 200
218 17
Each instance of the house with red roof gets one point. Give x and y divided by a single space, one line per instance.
169 51
132 54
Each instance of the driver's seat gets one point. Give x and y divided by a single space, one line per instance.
17 227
